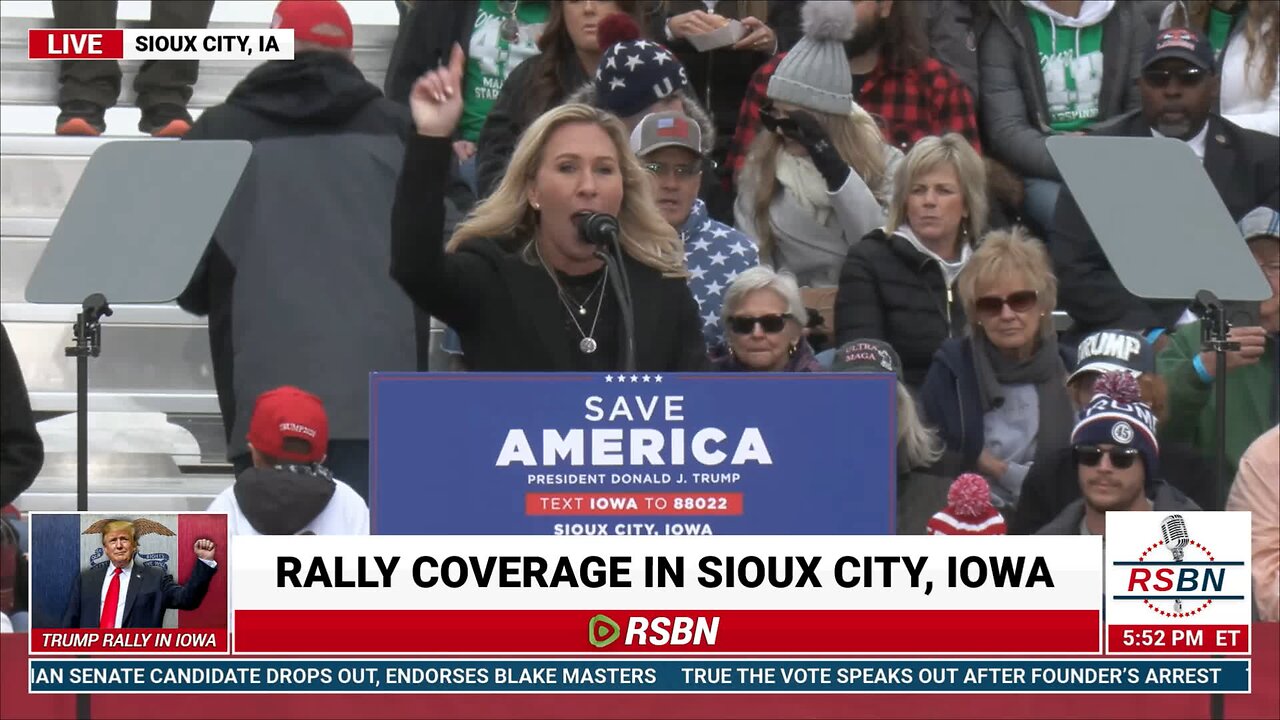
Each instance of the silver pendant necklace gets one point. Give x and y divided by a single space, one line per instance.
587 345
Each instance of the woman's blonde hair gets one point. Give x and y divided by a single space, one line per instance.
507 216
930 153
855 136
918 443
1009 252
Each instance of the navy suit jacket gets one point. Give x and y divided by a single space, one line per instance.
151 591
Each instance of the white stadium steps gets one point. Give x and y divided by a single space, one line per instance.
156 437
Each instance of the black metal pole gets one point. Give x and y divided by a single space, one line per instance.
82 421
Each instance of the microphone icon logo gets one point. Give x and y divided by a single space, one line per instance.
1174 531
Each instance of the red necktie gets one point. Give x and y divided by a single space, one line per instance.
108 619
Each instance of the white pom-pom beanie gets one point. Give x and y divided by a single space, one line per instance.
815 74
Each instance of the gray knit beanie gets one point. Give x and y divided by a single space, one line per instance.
815 73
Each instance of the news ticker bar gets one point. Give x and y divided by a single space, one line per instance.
284 676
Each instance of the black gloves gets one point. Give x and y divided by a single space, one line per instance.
805 129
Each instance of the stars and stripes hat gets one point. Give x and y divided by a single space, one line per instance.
969 510
666 129
633 73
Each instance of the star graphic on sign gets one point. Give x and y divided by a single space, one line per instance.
701 245
696 273
608 378
714 288
646 378
718 259
635 379
611 62
709 319
660 56
657 378
633 61
720 232
615 83
738 248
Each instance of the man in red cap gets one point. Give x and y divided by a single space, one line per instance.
289 491
295 282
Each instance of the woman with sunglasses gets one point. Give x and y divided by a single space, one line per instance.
817 181
762 329
999 396
897 283
1117 461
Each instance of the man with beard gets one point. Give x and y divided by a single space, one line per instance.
1179 86
894 79
1117 460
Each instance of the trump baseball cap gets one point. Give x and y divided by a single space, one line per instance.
666 129
1182 43
324 22
867 355
1114 350
288 412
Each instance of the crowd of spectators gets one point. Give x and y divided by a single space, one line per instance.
829 185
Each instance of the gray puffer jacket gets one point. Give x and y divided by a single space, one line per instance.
1014 108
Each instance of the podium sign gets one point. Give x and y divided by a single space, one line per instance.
632 454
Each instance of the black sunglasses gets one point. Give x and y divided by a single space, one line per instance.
1091 455
777 124
745 324
1019 302
1187 77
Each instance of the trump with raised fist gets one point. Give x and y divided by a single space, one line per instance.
126 594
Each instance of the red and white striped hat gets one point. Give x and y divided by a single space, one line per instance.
968 511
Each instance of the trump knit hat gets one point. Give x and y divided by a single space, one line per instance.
1114 350
815 73
1117 416
288 412
666 129
324 22
633 73
1181 43
969 510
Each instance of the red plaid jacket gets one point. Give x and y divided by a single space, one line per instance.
909 105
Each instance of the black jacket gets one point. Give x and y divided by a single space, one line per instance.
891 291
21 449
720 77
506 310
1244 166
426 37
151 592
1053 484
294 282
512 112
1014 107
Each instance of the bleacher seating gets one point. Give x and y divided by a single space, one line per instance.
156 440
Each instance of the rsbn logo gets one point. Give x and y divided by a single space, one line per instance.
603 631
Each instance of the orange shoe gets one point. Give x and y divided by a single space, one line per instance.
174 129
78 126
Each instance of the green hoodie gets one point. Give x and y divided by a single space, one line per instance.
1071 62
1251 399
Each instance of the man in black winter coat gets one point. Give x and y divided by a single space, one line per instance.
1178 85
295 279
21 450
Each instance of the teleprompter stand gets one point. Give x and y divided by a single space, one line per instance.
1151 197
